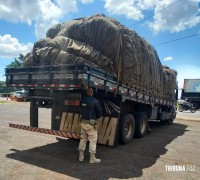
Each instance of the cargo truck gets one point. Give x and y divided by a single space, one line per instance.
191 92
123 69
126 110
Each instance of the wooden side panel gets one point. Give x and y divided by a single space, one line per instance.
107 131
63 119
70 122
76 127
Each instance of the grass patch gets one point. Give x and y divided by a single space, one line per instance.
4 102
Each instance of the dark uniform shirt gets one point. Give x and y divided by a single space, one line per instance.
90 108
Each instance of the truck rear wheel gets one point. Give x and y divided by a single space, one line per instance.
141 124
126 128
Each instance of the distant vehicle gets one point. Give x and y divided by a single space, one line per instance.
4 95
183 105
191 91
19 96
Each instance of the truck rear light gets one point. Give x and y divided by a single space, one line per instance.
72 102
78 85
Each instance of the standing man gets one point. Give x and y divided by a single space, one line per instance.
91 111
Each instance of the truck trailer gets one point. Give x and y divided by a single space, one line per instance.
126 110
191 92
123 69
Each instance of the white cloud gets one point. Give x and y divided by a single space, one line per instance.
10 47
67 6
173 18
19 11
147 4
86 1
178 17
45 13
168 59
129 8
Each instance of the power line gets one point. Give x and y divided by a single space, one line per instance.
175 33
155 13
160 12
177 39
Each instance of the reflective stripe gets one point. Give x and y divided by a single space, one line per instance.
46 131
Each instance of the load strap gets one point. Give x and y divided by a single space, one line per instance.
119 69
46 131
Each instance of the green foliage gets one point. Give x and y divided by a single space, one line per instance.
2 85
4 88
18 62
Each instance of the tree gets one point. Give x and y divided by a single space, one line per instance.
18 62
4 88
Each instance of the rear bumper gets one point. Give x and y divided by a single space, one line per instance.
46 131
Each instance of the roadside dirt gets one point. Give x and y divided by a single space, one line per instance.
29 155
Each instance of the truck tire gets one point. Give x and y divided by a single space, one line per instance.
126 128
170 121
141 124
173 116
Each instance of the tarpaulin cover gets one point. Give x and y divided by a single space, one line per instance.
103 42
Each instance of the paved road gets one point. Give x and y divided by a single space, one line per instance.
187 115
28 155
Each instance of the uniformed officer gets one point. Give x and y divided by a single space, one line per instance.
91 111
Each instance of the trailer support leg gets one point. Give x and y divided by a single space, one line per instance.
55 115
33 114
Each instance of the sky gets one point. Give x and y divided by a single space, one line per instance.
171 26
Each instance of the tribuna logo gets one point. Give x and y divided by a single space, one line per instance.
175 168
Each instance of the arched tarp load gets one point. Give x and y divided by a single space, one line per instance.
169 81
103 42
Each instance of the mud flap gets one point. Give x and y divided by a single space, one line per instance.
107 129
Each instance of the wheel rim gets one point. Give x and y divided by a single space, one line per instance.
128 129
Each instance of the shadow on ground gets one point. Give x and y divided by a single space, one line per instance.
123 161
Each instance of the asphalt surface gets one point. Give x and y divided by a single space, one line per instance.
29 155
